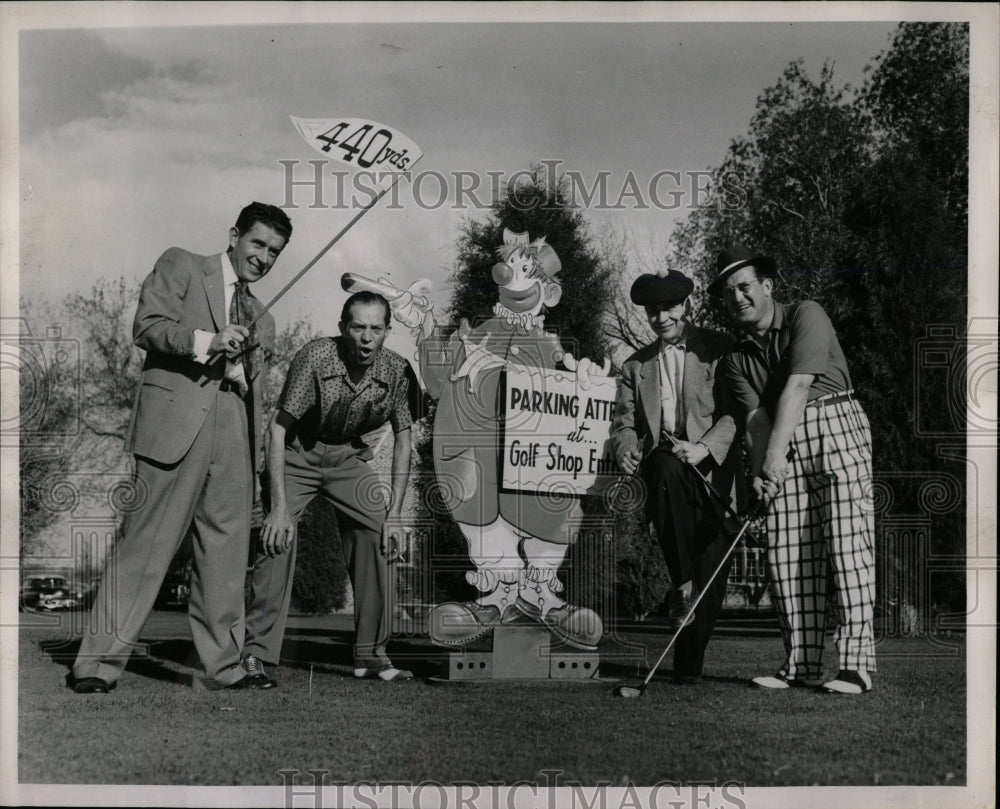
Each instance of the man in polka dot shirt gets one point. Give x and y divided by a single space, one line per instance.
337 390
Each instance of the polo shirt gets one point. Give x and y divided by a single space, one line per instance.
800 340
328 407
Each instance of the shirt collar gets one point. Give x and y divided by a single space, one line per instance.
779 317
777 324
229 275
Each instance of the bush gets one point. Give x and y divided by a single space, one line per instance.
320 583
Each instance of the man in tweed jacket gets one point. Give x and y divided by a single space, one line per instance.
669 421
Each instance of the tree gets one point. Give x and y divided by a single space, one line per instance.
48 418
916 101
111 362
911 216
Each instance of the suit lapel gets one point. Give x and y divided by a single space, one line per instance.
649 392
214 292
694 375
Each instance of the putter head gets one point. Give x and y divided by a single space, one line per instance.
628 692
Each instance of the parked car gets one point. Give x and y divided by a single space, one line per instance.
175 591
59 600
48 592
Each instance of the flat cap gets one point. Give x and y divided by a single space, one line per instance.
661 290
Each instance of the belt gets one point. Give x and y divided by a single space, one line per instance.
832 399
225 386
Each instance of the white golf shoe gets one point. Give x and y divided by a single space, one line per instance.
849 682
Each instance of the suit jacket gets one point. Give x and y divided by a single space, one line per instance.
185 292
637 418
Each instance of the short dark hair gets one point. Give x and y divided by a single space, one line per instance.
268 215
361 298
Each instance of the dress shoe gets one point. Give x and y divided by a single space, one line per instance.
388 675
848 681
680 678
458 623
256 675
91 685
577 626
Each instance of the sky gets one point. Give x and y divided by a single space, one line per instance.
134 139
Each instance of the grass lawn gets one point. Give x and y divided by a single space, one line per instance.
154 729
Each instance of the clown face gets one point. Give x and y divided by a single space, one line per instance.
524 288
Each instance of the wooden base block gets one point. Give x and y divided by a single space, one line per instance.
523 653
520 653
470 666
574 666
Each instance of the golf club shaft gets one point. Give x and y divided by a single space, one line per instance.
704 589
329 244
704 479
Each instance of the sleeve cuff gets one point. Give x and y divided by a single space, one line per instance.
711 452
202 340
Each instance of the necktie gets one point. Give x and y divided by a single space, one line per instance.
241 313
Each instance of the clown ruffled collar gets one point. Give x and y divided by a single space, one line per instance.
522 321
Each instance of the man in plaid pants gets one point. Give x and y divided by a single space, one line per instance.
810 449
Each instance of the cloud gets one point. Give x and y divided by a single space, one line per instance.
64 76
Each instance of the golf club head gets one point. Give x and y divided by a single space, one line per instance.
628 692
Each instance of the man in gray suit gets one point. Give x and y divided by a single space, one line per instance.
196 433
669 421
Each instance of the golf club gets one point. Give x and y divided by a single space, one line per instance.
631 692
718 497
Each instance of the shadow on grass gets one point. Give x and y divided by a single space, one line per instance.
334 650
328 650
147 661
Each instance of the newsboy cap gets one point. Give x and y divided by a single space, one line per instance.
736 257
661 290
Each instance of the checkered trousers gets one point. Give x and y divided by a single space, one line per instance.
823 516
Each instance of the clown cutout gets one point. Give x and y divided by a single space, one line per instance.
517 540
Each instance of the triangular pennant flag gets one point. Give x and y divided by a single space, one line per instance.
360 142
